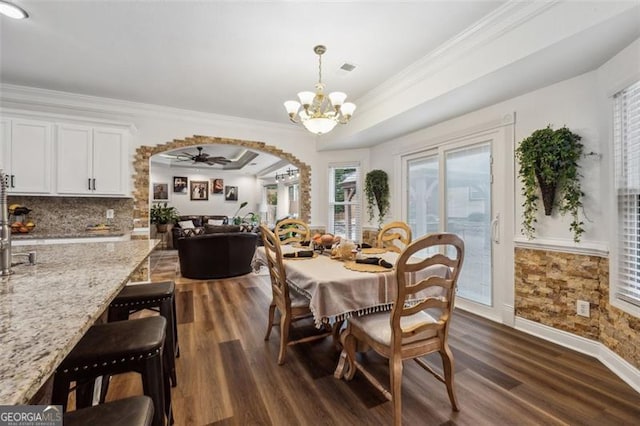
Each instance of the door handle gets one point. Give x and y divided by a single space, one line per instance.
94 184
495 229
12 181
89 181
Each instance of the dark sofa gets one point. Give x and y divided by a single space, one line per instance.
218 255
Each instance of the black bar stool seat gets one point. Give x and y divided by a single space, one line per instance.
115 348
159 297
133 411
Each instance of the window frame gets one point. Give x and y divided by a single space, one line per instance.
614 258
331 195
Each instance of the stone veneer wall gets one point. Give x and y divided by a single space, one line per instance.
141 172
547 286
71 215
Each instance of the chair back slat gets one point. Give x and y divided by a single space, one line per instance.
393 232
428 303
436 259
298 229
429 282
421 328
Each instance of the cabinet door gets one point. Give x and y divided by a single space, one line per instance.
74 159
109 161
30 157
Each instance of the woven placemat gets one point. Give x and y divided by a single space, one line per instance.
365 267
373 250
301 258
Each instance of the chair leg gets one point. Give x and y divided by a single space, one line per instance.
447 365
272 311
84 393
175 326
152 383
395 370
166 310
285 323
349 347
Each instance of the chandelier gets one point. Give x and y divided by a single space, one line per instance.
320 113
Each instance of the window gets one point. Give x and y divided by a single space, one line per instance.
626 141
294 203
344 202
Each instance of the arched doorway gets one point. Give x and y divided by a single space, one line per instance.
144 153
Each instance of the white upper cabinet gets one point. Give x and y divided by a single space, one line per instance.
27 155
109 162
91 161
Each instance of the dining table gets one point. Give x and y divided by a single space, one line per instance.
337 293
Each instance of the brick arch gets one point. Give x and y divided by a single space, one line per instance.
144 153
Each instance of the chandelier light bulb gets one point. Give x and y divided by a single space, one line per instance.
318 113
12 11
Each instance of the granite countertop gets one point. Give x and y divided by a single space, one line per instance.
45 309
80 234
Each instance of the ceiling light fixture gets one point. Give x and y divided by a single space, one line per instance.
290 174
12 11
320 114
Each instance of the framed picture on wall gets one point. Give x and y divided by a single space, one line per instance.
160 191
217 186
199 190
180 184
231 193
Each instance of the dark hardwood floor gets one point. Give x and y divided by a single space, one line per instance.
228 375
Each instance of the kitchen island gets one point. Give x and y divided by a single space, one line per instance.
45 309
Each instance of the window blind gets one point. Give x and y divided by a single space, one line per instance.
626 139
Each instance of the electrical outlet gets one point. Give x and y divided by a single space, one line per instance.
582 308
109 213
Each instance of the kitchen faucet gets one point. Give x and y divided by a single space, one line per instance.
5 228
5 233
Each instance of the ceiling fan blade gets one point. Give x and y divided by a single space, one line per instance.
221 160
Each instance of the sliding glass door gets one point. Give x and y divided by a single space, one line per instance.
449 190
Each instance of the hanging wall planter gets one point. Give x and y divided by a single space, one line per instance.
377 192
549 161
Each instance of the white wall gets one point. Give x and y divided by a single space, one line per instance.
248 191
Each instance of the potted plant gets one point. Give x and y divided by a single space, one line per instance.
377 192
549 160
237 220
162 215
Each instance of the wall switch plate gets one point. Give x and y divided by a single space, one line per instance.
109 213
582 308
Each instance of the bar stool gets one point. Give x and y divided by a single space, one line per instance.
133 411
159 297
115 348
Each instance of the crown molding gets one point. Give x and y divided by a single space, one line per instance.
74 104
67 118
497 23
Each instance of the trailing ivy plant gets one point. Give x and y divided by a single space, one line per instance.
549 160
377 192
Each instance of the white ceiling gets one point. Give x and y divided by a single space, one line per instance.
234 58
244 59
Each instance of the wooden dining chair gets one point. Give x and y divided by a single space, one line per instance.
392 232
408 331
292 231
291 305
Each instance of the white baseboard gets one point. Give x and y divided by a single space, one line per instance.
613 361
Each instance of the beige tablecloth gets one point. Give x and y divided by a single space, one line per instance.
337 293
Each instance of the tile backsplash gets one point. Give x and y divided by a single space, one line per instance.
72 215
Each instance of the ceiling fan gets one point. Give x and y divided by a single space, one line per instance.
202 157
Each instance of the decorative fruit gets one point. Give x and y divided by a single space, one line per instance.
327 239
16 224
30 225
23 229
